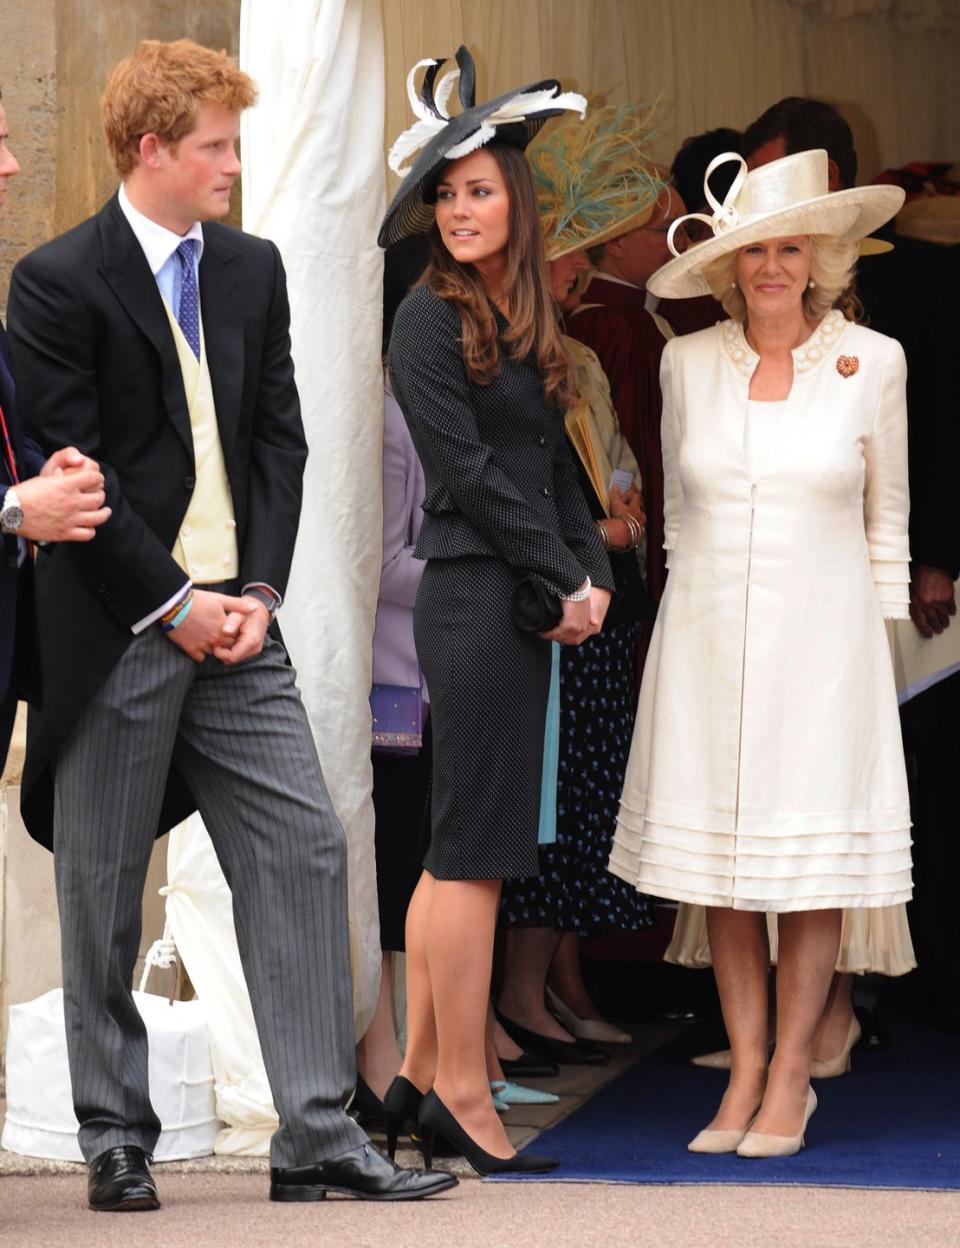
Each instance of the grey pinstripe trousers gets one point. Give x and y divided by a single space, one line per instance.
240 737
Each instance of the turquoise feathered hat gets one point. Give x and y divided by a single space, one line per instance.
593 180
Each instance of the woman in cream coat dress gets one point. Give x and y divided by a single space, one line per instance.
767 771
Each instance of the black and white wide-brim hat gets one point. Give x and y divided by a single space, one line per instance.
777 200
436 138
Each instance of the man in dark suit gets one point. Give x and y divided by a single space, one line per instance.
159 338
60 499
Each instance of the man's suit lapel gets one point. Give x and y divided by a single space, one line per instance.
7 384
221 306
126 270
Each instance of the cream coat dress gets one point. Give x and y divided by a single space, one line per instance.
767 769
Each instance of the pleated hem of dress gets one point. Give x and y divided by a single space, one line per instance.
872 941
724 823
778 905
627 863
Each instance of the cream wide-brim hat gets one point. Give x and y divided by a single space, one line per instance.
777 200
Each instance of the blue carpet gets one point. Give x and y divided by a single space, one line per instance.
893 1122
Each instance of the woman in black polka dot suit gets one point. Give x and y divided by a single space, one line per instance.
480 373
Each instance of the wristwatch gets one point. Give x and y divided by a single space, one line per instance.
270 601
11 513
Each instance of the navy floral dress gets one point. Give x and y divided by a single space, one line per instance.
575 892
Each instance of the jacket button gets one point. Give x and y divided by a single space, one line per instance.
189 482
546 491
542 440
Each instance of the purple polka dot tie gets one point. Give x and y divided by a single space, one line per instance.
189 314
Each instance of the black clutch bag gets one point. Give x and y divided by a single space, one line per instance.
534 609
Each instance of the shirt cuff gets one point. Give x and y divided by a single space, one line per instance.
152 618
267 589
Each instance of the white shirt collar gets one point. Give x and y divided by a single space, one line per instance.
157 241
609 277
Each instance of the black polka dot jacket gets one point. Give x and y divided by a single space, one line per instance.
500 480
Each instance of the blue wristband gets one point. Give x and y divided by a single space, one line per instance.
180 616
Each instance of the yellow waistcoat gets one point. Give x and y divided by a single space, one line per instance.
206 546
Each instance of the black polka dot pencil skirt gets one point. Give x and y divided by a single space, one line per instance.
489 683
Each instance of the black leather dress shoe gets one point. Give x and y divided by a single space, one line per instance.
362 1172
120 1182
527 1067
873 1034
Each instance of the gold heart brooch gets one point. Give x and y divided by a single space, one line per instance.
847 365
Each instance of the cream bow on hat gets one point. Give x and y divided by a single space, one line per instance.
783 198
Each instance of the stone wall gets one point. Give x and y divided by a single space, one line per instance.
28 79
54 59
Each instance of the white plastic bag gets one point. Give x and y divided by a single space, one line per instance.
40 1119
200 919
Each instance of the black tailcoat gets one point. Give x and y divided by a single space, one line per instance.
18 678
98 369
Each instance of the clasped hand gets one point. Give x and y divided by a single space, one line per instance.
932 600
231 629
628 504
65 502
580 620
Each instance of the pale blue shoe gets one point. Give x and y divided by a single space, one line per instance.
515 1094
499 1104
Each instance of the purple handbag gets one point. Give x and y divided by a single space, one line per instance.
397 718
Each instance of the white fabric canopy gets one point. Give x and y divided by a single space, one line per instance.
909 16
313 182
890 66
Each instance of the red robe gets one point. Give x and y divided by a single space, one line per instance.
686 316
613 321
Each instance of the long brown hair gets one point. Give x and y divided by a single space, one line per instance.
534 325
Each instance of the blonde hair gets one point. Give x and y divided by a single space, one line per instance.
158 90
832 264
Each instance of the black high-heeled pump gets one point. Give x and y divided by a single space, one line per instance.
366 1108
400 1105
434 1119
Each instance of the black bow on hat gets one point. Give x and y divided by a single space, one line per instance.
436 138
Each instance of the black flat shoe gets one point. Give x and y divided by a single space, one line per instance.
366 1108
568 1052
362 1172
119 1181
873 1034
527 1067
436 1120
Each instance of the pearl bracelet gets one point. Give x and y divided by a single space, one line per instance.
578 595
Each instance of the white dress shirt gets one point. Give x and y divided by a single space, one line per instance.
159 247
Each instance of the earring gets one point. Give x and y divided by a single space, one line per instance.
811 284
733 285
